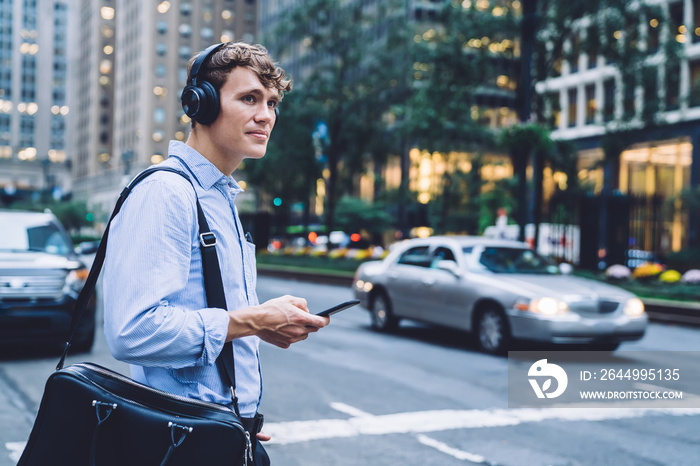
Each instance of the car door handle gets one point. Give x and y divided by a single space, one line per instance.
393 275
428 281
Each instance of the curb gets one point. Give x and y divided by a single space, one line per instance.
658 310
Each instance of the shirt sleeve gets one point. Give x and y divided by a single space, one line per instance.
147 268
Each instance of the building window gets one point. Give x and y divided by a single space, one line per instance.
650 85
609 100
207 33
573 108
574 54
185 30
628 103
673 72
159 115
695 84
553 109
591 105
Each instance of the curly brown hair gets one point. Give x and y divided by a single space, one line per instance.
217 67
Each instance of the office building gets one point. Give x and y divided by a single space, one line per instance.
590 97
34 109
152 44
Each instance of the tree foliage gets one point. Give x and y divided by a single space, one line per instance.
356 78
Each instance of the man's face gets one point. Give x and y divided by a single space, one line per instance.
246 118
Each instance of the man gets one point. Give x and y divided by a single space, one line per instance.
156 315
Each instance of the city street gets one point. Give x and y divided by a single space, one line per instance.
422 396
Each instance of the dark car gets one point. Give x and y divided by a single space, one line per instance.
40 279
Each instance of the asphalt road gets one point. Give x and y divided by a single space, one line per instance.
421 396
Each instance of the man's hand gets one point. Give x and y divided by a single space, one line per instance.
280 321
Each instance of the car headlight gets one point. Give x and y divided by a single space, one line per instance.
544 306
634 307
363 286
75 280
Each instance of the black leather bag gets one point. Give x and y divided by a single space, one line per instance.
90 415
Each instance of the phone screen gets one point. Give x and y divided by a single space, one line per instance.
340 307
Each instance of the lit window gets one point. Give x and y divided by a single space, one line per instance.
105 66
108 50
107 13
227 15
163 7
160 91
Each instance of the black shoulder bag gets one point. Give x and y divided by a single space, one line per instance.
90 415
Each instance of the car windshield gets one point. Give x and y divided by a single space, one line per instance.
511 260
19 236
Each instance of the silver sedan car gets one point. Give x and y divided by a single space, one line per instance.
499 290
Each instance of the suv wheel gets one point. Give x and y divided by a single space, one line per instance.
382 317
492 331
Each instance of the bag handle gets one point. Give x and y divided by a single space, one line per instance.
213 283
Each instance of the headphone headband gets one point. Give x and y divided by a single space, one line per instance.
201 58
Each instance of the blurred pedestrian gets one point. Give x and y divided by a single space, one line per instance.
156 314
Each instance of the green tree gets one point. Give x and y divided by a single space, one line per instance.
289 169
353 215
353 82
460 61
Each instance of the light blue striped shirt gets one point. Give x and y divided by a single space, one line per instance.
156 316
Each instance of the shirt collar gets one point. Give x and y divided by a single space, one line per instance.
205 172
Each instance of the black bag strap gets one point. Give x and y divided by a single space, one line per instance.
213 283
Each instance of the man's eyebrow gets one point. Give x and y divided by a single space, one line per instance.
259 92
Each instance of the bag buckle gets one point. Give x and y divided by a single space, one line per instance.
207 239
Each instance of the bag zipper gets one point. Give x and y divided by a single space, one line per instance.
121 378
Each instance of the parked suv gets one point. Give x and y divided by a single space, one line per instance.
40 279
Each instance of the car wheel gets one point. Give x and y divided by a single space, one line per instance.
382 317
492 331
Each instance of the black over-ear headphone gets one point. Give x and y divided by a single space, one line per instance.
200 100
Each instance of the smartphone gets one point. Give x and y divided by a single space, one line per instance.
340 307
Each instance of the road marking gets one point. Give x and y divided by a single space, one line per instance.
448 450
347 409
434 421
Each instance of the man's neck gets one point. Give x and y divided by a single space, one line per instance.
225 163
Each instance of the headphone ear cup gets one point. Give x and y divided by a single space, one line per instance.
210 104
192 99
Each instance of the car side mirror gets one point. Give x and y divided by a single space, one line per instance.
450 266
